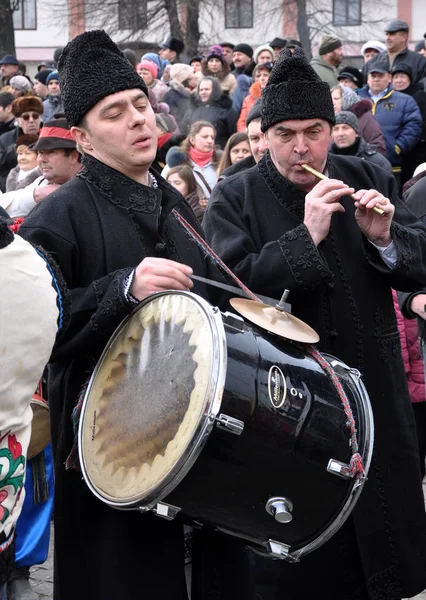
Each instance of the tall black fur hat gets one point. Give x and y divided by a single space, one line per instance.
92 67
294 91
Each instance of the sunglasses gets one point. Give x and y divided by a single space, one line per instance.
33 116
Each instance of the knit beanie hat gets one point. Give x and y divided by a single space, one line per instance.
349 97
345 117
20 83
266 48
328 44
42 76
27 104
216 52
255 112
149 66
244 49
180 72
53 76
295 91
91 67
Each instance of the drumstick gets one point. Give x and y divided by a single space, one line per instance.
376 209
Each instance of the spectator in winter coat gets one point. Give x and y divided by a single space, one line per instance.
183 179
215 65
348 142
398 115
260 77
345 98
277 45
198 151
369 50
52 105
243 86
161 64
237 149
398 52
351 77
264 54
195 63
179 95
27 169
21 86
9 66
210 104
228 51
40 83
242 57
329 57
148 70
402 81
7 119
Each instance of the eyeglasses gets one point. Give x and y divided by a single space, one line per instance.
28 116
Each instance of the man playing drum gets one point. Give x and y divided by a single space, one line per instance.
115 236
276 227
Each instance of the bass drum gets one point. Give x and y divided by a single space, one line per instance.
193 412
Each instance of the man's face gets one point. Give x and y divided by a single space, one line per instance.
29 122
335 57
369 54
257 140
378 82
167 54
6 114
241 60
56 166
40 89
400 81
296 142
422 51
128 119
227 53
277 50
8 70
397 41
343 135
53 87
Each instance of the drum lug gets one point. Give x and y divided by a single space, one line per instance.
233 321
341 469
280 508
280 550
166 511
230 424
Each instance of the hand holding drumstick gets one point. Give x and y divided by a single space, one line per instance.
374 211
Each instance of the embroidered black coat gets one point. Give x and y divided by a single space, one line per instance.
98 227
343 290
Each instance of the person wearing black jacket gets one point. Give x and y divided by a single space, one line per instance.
7 118
210 104
402 81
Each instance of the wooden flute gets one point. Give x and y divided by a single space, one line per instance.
376 209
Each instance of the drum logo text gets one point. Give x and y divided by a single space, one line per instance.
94 426
277 387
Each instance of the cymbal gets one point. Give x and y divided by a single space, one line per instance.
279 322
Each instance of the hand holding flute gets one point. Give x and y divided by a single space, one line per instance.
324 200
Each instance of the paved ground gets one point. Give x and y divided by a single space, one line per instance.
42 576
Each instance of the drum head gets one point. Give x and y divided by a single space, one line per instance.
40 428
156 388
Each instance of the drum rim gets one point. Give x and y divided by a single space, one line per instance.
207 420
366 453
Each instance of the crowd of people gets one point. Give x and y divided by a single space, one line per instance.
98 152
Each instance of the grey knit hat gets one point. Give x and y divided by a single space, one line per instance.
295 91
344 117
328 44
92 67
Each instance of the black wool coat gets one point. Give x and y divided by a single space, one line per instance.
342 289
217 112
98 227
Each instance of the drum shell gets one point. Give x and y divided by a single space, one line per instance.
281 452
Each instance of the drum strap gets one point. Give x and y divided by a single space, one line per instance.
356 467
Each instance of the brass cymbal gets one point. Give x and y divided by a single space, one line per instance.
279 322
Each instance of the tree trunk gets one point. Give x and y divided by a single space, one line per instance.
7 33
303 28
172 13
192 36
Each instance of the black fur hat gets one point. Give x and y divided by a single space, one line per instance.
92 67
294 91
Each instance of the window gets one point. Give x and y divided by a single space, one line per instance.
238 14
25 15
346 12
132 14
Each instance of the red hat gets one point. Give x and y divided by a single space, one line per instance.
150 66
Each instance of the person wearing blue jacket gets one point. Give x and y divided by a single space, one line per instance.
397 114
